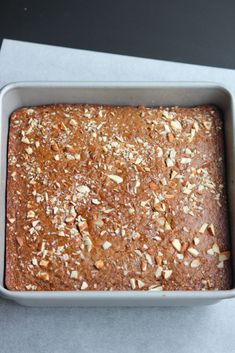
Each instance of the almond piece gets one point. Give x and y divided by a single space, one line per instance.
74 274
158 272
20 240
158 260
43 276
176 244
70 149
193 252
106 245
44 263
55 147
116 178
195 263
203 228
140 283
84 285
99 264
143 265
184 246
170 137
132 282
167 274
224 256
73 122
30 214
211 229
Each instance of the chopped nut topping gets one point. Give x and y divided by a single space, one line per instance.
74 274
158 272
55 147
20 240
203 228
56 157
25 140
193 252
11 220
195 263
196 240
29 150
175 124
43 276
211 228
44 263
224 256
99 264
106 245
116 178
84 285
215 248
210 252
140 283
73 122
95 202
167 274
156 288
176 244
30 214
83 189
132 282
207 124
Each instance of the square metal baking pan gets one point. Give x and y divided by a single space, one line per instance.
17 95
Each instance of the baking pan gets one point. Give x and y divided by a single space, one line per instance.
16 95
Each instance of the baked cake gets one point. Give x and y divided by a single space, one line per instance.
116 198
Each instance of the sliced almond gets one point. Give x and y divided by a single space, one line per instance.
224 256
55 147
25 140
140 283
158 272
84 285
210 252
176 244
196 240
99 264
44 263
43 276
215 248
167 274
143 265
211 229
158 260
29 150
74 274
73 122
20 240
203 228
30 214
176 125
132 282
95 202
106 245
193 252
116 178
170 137
195 263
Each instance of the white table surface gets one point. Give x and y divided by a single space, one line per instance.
129 330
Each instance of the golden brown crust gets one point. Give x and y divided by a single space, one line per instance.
116 198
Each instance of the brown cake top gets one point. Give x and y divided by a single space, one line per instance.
116 198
